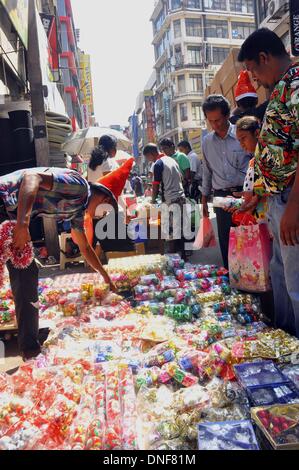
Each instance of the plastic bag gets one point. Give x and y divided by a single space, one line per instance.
250 252
206 236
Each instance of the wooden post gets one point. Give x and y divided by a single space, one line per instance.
39 118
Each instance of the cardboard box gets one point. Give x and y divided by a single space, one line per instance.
263 94
226 80
231 98
216 88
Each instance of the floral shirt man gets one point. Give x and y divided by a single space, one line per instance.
276 157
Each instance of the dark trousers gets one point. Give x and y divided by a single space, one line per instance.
24 286
195 191
224 224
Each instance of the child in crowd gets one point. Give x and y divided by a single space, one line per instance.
248 130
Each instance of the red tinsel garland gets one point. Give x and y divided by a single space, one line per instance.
20 259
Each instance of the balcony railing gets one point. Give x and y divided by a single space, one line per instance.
188 94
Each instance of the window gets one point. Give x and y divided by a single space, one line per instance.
177 29
196 82
184 112
242 30
175 117
215 5
162 46
196 4
159 21
217 55
209 78
181 84
176 4
242 6
178 56
193 27
216 29
195 111
194 55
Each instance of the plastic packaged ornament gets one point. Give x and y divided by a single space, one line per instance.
149 280
258 373
159 356
174 261
291 372
183 378
230 435
22 436
273 394
279 423
227 202
180 313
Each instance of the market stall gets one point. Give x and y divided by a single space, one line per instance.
184 363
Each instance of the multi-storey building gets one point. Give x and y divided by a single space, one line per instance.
70 63
274 14
192 38
71 67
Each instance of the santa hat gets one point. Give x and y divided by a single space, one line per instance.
245 89
116 180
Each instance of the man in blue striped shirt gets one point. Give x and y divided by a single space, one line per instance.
46 192
225 164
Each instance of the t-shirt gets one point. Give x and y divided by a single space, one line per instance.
277 152
153 164
183 161
107 166
66 201
167 172
196 165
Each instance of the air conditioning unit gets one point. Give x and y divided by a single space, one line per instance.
275 10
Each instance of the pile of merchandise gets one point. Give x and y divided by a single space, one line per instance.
186 363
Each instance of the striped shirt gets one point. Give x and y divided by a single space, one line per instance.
66 201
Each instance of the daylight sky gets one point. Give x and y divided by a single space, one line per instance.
118 35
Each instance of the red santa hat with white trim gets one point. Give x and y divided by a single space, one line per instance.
245 88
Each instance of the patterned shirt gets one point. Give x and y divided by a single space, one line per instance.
277 152
66 201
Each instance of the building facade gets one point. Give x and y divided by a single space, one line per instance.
143 128
71 67
192 38
274 14
13 46
69 63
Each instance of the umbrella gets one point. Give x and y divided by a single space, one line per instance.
122 156
85 140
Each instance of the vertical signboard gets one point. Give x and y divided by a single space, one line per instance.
167 111
85 116
18 13
294 26
86 83
150 116
135 135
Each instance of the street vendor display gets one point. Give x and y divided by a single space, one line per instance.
118 374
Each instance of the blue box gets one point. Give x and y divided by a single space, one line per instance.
291 372
255 374
227 435
273 394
